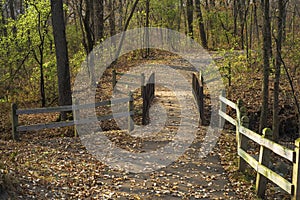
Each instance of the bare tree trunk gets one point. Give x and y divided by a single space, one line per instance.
190 10
112 24
147 25
201 24
63 72
125 27
184 17
87 27
279 39
120 15
255 21
235 16
266 68
98 20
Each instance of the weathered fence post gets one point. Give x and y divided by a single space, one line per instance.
201 98
15 121
142 83
130 110
114 79
243 144
75 116
264 158
153 86
296 171
223 109
145 104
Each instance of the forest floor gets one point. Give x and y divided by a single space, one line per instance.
52 164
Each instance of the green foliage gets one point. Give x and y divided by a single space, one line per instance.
166 13
28 43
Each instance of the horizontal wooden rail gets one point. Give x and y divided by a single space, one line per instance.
36 127
266 147
41 126
114 79
228 102
276 148
71 107
228 118
128 83
16 128
44 110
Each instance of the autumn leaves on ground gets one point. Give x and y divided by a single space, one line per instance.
52 164
255 45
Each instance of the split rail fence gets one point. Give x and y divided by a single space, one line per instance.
243 135
17 128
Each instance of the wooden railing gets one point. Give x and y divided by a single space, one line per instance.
197 84
243 135
132 76
15 113
148 93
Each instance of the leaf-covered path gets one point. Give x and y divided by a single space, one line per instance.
49 167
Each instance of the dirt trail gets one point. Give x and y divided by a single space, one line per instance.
50 166
190 176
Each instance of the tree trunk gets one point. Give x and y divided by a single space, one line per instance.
147 25
279 39
184 17
201 24
120 15
125 28
190 9
63 72
235 15
266 68
112 24
98 20
88 31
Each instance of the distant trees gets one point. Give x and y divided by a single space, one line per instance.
27 53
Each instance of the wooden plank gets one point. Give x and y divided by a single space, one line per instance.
248 158
102 103
228 118
275 178
71 107
44 110
41 126
296 171
228 102
276 148
250 134
263 159
243 142
36 127
102 118
128 83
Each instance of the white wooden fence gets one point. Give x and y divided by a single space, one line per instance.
243 135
